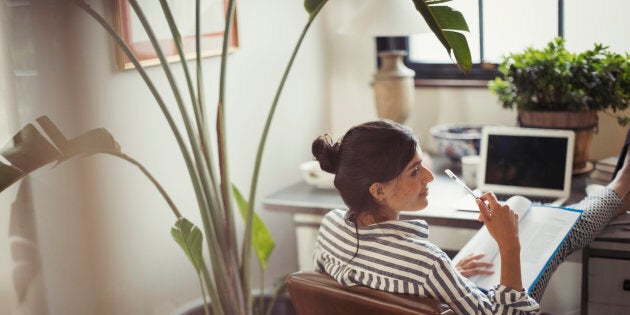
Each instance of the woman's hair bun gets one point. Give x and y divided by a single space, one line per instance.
327 153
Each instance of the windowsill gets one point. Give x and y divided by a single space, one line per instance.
451 83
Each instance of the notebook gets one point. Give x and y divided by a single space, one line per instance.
542 230
531 162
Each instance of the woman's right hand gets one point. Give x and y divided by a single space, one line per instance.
501 221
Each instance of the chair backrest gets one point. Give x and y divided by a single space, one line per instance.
314 293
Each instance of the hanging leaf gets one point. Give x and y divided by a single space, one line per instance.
29 149
262 241
53 132
311 6
447 24
189 238
8 175
92 142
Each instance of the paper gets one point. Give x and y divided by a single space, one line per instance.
542 229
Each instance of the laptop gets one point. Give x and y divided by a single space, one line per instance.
531 162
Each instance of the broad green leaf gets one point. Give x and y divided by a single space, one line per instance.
460 49
449 19
29 150
311 6
262 241
447 24
53 132
8 175
190 239
91 142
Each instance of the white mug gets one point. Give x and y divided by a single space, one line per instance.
470 164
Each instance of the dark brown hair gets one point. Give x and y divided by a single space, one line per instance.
375 151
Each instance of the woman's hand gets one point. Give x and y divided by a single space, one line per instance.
501 221
471 265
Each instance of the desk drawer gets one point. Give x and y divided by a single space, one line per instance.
606 279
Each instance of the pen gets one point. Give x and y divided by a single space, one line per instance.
460 182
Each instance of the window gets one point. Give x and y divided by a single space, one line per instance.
498 27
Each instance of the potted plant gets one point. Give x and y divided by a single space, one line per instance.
555 88
225 279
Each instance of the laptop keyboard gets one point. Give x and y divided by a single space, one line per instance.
534 199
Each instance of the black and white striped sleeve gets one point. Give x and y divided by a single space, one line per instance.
448 285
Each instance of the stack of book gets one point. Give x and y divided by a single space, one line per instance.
604 168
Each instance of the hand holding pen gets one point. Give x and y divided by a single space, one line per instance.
504 229
470 191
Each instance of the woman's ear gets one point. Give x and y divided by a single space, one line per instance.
376 190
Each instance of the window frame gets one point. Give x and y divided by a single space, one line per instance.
440 74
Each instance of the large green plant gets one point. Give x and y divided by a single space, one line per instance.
556 79
225 279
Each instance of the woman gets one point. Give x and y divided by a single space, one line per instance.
380 172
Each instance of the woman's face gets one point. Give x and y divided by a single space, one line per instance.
409 190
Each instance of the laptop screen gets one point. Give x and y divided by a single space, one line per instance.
526 161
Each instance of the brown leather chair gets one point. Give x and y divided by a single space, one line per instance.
314 293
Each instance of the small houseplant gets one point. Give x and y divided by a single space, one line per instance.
555 88
225 279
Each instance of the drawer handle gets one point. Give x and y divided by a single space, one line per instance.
626 285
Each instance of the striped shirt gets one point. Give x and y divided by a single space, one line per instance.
395 256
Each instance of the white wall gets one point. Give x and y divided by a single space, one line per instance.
104 230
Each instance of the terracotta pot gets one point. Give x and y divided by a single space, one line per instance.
583 123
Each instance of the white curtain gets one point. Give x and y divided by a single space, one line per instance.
21 282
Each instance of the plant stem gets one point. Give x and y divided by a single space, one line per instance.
226 191
200 94
276 294
203 294
194 176
247 239
222 266
151 178
221 128
202 129
192 138
159 187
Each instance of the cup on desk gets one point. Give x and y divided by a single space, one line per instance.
470 164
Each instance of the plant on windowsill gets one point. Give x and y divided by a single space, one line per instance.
226 278
555 88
